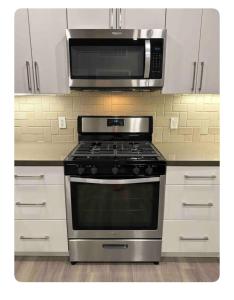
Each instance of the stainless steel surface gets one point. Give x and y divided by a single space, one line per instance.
147 59
115 83
194 75
198 204
110 33
114 181
112 18
137 250
46 237
201 79
118 34
30 204
205 238
115 234
199 176
131 125
29 76
29 176
37 76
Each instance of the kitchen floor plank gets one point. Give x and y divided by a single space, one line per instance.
59 269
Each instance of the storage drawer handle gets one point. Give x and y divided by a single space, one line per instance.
115 246
29 176
30 204
199 176
46 237
198 204
205 238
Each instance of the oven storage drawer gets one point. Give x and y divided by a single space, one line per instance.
190 236
191 202
39 202
39 175
192 175
35 236
116 250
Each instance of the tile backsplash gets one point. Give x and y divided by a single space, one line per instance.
36 117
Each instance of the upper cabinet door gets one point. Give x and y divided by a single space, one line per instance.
208 66
146 18
85 18
182 47
47 28
23 58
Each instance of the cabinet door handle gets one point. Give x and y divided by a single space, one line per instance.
112 18
120 18
30 204
202 71
194 73
46 237
29 76
199 176
198 204
37 76
29 176
204 238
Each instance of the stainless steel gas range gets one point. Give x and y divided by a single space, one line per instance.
115 181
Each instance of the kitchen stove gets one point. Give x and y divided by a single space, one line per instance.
115 180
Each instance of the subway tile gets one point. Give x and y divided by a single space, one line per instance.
198 114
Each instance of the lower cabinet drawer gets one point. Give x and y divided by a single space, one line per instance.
191 202
40 236
190 236
40 202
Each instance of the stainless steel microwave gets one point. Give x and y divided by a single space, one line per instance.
116 59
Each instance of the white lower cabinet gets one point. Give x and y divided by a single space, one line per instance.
40 212
191 237
191 213
38 236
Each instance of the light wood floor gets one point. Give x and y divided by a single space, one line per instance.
169 269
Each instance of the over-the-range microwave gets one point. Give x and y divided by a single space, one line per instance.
116 59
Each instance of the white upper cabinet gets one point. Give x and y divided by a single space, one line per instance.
192 51
84 18
47 29
136 18
23 58
208 66
183 34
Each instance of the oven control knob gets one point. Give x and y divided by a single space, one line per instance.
81 170
149 170
136 170
94 170
115 170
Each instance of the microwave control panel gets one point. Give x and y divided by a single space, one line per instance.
156 64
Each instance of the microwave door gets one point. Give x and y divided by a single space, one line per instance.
109 59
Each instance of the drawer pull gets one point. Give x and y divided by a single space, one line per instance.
199 176
115 246
46 237
29 176
205 238
198 204
30 204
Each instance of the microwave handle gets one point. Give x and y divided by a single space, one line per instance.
114 181
147 58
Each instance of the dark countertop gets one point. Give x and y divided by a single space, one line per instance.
176 154
190 154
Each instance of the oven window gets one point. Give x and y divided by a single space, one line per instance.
107 59
107 206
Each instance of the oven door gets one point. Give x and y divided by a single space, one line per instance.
115 208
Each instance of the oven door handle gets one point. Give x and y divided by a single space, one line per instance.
114 181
